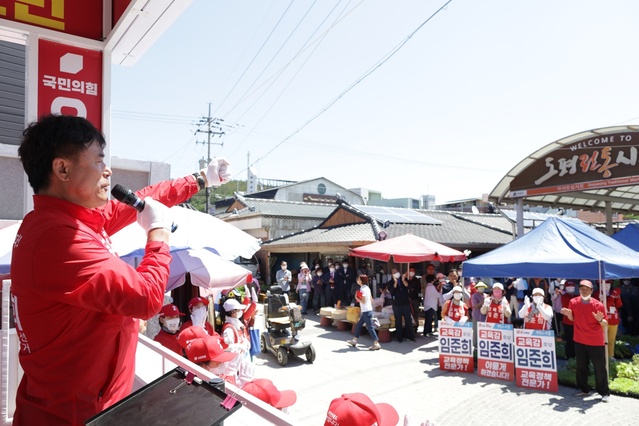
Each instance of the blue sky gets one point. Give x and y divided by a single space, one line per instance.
371 93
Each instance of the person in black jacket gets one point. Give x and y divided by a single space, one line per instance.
398 287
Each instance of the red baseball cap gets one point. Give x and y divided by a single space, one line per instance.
208 348
189 334
170 310
265 390
197 300
354 409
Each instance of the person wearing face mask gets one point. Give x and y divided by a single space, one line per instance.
329 284
613 303
431 302
536 315
398 287
338 285
414 290
198 308
350 284
319 291
589 316
567 323
455 310
284 278
496 308
365 300
476 302
170 321
304 286
235 338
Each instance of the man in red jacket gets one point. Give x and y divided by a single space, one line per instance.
589 316
74 301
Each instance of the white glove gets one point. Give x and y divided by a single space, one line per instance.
449 321
217 172
526 302
198 316
487 302
155 215
463 320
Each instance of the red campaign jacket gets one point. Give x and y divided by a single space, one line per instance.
169 341
74 305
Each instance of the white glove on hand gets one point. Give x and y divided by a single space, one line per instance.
155 215
526 302
198 316
449 321
217 172
487 302
463 320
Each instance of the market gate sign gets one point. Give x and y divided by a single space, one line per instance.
602 161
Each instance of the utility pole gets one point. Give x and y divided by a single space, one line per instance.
213 127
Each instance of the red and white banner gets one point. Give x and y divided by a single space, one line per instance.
495 348
536 359
456 347
70 81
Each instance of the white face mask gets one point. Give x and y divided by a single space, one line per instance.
345 265
283 268
570 290
412 274
457 296
332 269
538 299
172 325
585 298
238 314
319 274
396 275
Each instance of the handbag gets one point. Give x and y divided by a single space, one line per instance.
254 335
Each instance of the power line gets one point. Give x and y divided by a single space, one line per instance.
355 83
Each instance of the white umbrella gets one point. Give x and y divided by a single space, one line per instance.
195 230
207 269
7 238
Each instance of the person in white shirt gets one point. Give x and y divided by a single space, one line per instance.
284 278
431 302
364 298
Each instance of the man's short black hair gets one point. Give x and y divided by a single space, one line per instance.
50 137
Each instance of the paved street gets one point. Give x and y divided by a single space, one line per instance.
407 376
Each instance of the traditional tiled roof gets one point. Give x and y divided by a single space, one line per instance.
276 208
454 231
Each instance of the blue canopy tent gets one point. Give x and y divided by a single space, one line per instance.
629 236
559 248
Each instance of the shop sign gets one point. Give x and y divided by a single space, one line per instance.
598 161
69 81
77 17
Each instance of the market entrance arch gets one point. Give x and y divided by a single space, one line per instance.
592 170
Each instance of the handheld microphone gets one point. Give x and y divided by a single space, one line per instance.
128 197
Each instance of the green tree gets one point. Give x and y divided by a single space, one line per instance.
198 201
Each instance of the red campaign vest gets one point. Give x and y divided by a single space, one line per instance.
612 305
535 322
239 335
495 313
455 312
